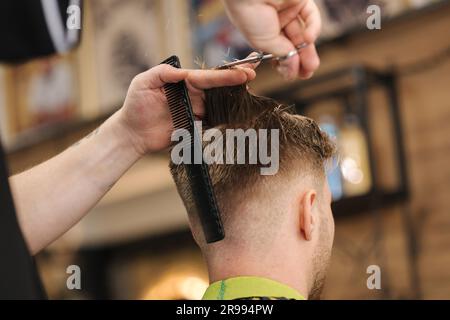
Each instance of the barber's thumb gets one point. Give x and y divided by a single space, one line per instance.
280 47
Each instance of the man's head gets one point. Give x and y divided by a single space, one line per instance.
270 221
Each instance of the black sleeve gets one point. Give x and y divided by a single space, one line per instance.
18 275
24 30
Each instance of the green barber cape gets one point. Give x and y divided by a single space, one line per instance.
251 288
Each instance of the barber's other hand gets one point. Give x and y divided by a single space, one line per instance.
277 26
145 114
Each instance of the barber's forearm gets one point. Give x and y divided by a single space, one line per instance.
53 196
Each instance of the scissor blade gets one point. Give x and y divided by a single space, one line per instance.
252 59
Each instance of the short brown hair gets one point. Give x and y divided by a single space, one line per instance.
303 147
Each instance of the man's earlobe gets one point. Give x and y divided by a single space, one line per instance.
306 214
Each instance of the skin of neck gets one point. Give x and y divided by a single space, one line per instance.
285 261
254 247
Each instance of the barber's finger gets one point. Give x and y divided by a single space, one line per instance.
294 31
290 13
309 61
289 67
280 45
198 106
159 75
308 58
274 42
206 79
310 14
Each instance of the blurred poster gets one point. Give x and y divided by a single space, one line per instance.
127 40
216 40
46 93
341 15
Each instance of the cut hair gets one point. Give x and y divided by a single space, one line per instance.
303 148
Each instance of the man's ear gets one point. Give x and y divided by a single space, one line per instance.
306 214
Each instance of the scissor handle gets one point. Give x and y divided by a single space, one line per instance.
292 53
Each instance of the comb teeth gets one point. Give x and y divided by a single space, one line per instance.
177 106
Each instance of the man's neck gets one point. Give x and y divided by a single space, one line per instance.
280 269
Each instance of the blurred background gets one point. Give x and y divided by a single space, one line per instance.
382 94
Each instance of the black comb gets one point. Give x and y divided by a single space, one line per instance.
200 182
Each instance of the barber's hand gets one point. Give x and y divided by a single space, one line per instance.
145 114
277 26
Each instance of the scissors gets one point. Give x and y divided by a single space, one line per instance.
262 57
